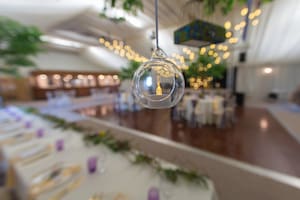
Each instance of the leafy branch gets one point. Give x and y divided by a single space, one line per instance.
129 6
128 71
109 141
17 44
170 174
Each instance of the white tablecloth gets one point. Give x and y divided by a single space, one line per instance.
120 175
207 107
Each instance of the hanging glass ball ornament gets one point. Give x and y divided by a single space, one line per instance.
158 83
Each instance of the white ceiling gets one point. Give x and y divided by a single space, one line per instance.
275 39
44 13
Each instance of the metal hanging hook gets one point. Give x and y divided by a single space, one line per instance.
156 23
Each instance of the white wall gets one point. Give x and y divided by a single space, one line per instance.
61 60
257 85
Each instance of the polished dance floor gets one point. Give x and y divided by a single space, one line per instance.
256 138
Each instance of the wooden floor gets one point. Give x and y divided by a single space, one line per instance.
256 138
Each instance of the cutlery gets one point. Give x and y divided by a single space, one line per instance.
73 185
96 197
53 177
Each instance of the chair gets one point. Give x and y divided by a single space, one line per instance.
199 115
229 116
181 110
218 111
192 117
50 98
72 93
230 111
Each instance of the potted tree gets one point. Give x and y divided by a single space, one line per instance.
18 43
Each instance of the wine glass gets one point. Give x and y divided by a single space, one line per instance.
96 162
167 188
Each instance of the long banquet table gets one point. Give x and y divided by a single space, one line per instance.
121 179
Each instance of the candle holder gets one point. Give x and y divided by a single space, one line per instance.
59 144
40 133
158 83
92 164
153 194
28 124
18 118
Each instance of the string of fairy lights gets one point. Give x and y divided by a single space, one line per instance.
239 27
220 52
122 49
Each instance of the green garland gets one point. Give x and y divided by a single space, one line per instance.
123 146
109 141
169 174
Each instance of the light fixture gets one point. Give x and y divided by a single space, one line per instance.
227 25
257 12
268 70
244 11
228 34
43 76
255 22
101 77
226 55
158 83
56 76
90 77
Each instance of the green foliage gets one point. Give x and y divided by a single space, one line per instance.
128 71
17 44
109 141
132 6
171 175
215 71
129 6
142 158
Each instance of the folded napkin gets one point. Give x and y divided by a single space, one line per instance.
52 177
31 154
15 138
10 127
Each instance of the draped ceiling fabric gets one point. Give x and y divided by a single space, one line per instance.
276 39
274 43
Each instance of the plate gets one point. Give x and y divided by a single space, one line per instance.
32 153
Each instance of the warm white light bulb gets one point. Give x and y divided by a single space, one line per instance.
268 70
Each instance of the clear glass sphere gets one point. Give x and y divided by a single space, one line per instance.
158 83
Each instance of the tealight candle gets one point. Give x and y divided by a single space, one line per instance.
18 118
153 194
59 145
40 133
28 124
92 164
